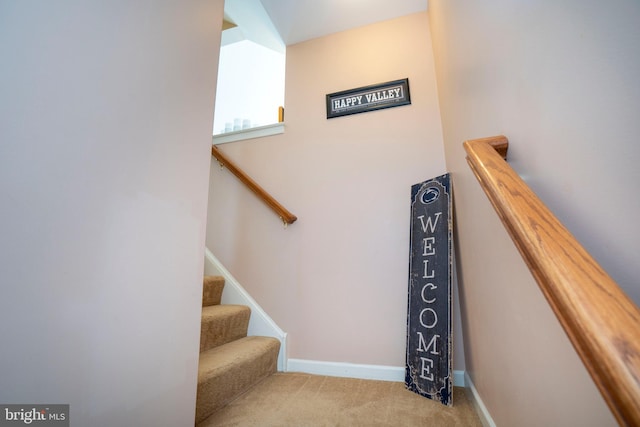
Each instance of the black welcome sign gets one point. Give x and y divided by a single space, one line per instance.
428 370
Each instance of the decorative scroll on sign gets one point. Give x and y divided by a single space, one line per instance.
428 371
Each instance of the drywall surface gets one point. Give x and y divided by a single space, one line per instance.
336 280
559 79
105 128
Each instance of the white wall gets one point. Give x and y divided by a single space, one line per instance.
105 127
560 80
336 280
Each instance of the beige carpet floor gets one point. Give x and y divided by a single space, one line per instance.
301 400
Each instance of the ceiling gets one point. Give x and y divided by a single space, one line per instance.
278 23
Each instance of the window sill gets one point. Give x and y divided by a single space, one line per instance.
256 132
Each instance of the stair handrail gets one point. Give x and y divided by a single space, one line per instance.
224 161
601 321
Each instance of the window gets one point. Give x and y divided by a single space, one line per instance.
250 86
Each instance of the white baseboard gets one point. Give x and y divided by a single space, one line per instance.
483 413
354 370
348 370
458 378
260 323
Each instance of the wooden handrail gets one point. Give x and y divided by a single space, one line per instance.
601 321
286 216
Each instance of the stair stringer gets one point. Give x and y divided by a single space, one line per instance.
260 323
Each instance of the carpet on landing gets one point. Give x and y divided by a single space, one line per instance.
300 400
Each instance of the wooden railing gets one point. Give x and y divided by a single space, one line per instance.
286 216
601 321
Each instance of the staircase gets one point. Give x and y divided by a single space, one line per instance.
230 361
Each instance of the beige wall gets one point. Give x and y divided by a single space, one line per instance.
560 79
105 129
336 280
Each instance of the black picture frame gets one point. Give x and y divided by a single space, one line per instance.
368 98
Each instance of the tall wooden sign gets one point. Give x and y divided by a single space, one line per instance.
429 357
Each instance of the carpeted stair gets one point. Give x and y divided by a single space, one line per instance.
230 361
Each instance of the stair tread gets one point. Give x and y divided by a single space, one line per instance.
222 324
214 311
233 353
212 290
226 371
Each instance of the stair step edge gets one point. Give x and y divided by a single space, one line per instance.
212 287
236 352
222 324
228 371
224 310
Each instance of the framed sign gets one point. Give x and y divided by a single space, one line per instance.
429 357
368 98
